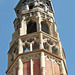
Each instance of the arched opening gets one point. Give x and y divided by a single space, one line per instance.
31 27
54 50
31 6
46 46
35 46
44 27
26 48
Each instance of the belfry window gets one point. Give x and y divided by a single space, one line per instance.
44 27
31 27
31 6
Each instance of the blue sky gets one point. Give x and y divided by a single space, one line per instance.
64 17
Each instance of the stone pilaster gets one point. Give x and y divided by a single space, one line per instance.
51 29
39 22
41 41
23 29
52 68
20 47
30 46
31 67
42 63
20 67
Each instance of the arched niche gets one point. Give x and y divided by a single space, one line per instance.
31 27
45 27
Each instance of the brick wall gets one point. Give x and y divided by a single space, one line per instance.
36 67
51 69
48 69
26 68
56 69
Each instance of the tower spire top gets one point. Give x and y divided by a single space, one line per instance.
35 48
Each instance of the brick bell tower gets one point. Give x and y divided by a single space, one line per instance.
35 48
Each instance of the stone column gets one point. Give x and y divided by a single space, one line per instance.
55 31
52 68
20 48
60 50
63 71
27 7
31 62
41 41
23 29
30 46
62 62
45 8
20 67
39 22
35 3
42 63
51 29
31 67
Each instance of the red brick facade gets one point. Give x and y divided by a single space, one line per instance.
36 67
26 68
48 67
51 69
56 69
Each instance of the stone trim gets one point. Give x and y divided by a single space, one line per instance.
52 55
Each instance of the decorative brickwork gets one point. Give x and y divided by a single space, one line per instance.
56 69
26 68
48 70
36 67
